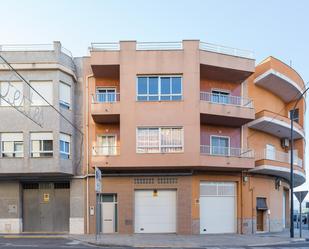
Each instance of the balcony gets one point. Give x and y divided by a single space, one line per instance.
222 109
279 78
106 150
214 156
275 124
277 163
105 108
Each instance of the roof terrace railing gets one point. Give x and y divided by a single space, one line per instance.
159 46
105 46
27 47
226 50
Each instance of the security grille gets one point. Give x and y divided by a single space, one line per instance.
217 189
144 181
167 180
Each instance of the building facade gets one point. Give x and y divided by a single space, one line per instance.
191 138
41 160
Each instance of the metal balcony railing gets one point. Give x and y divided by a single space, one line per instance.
226 151
105 97
159 46
107 150
279 156
226 50
226 99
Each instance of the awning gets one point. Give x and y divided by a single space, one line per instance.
261 203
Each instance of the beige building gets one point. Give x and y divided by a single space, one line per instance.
191 138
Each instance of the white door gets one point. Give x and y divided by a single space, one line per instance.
218 207
108 216
283 209
155 211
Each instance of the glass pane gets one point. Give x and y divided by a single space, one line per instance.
8 149
166 97
176 85
142 85
153 85
165 85
154 98
142 98
177 97
61 145
48 145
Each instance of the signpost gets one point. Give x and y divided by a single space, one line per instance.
300 195
98 189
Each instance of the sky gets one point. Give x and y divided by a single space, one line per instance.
267 27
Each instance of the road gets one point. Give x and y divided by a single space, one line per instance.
54 243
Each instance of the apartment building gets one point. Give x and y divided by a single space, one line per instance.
40 159
190 137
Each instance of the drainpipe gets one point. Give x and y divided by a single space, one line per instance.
87 149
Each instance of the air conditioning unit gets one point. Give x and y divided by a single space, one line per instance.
285 143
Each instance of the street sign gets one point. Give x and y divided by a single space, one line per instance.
300 195
98 179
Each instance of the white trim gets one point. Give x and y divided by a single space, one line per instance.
210 142
275 121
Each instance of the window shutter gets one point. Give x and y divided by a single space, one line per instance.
45 89
65 93
41 136
64 137
10 137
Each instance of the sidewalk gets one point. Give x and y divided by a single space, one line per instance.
195 241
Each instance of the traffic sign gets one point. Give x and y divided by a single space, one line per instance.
98 180
300 195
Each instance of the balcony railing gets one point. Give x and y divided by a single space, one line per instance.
226 50
105 97
158 45
226 99
27 47
105 46
226 151
278 156
108 150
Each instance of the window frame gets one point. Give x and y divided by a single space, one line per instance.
160 95
14 152
98 88
62 103
223 92
41 145
159 151
114 148
44 102
229 145
64 153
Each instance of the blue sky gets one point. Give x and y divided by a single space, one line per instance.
267 27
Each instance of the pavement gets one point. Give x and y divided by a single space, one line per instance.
222 241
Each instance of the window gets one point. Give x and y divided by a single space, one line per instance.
157 88
12 145
296 115
65 141
45 89
41 144
220 145
159 140
221 97
12 93
106 95
270 152
106 145
64 95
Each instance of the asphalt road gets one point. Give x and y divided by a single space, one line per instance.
54 243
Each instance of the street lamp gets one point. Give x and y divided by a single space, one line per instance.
292 163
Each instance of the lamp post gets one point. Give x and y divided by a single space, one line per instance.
292 163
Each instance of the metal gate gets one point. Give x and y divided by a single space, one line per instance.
46 207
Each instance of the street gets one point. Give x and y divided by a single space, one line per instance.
53 243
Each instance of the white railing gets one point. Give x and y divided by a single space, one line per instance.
226 151
226 99
226 50
278 156
159 46
66 51
105 46
108 150
105 97
27 47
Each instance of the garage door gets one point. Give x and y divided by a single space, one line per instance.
155 211
218 207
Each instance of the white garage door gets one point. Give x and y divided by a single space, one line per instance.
218 207
155 211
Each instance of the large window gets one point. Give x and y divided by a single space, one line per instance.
11 93
159 139
157 88
12 145
41 144
106 145
221 97
65 148
220 145
45 89
64 95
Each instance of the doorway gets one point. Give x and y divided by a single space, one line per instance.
109 213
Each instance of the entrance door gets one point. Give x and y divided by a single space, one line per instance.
260 220
108 213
